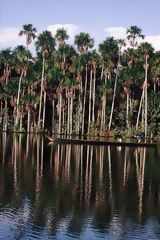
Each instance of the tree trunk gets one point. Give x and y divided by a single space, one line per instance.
18 98
114 93
41 95
44 110
53 106
93 96
84 100
90 102
146 100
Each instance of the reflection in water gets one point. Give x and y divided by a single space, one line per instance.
71 191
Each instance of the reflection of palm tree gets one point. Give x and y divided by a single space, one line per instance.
140 155
126 166
110 173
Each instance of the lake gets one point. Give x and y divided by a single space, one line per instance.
57 191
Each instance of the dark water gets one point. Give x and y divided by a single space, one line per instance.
77 192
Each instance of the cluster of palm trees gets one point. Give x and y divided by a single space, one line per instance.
76 90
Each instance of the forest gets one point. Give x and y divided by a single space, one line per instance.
80 90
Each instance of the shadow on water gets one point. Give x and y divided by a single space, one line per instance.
74 191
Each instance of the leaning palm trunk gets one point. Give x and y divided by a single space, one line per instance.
18 98
139 110
114 93
41 95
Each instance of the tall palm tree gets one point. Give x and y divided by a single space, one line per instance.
120 43
21 56
133 33
83 42
146 50
45 44
6 59
29 32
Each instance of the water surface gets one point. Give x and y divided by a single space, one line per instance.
52 191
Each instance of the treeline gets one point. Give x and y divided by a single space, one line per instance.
77 89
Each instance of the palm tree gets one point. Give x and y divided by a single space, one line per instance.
21 56
45 44
133 33
61 36
83 42
146 50
29 31
120 44
6 59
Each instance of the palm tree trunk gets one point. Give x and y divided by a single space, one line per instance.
90 101
18 97
71 114
146 100
60 113
114 93
139 110
53 107
93 98
29 120
84 100
44 110
41 95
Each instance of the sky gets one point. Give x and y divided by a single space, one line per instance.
100 18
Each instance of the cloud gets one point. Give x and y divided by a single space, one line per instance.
72 29
154 40
9 38
120 33
116 32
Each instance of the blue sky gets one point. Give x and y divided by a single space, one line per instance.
98 17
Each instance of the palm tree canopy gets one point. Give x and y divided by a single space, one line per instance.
45 43
132 33
21 58
61 36
109 48
146 48
29 31
83 42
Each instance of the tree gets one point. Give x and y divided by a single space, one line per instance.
21 56
45 44
133 33
6 59
29 31
120 44
146 50
83 42
61 36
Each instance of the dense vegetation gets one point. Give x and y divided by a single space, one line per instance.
77 90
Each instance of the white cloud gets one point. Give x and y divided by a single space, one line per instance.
154 40
120 32
9 38
116 32
72 29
